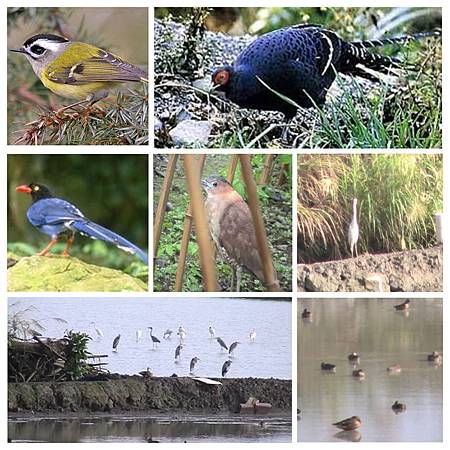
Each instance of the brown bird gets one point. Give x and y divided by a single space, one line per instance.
306 314
231 227
402 306
146 373
394 369
350 424
328 366
359 373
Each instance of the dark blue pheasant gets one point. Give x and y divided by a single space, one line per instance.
300 62
57 217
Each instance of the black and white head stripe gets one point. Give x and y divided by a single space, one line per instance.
44 37
37 46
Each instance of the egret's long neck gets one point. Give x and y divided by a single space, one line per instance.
354 210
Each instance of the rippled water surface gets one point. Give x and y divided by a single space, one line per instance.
383 337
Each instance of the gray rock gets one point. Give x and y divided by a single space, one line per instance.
315 282
204 84
191 133
376 282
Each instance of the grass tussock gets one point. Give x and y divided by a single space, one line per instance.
398 196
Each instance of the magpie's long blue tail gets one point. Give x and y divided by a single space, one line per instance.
95 231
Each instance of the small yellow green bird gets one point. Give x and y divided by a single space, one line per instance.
75 69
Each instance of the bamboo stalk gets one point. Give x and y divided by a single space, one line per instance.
162 204
271 282
201 225
232 168
267 168
187 226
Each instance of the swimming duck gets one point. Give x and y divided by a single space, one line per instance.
327 366
359 373
352 423
394 369
398 407
353 357
402 306
306 314
434 357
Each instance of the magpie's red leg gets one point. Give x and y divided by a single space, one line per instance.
69 243
47 249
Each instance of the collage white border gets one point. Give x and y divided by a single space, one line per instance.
149 150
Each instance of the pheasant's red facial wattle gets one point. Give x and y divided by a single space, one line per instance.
222 77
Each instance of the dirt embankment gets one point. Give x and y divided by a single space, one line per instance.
135 393
409 271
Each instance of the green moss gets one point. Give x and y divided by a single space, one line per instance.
67 274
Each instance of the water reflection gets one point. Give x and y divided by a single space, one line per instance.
192 428
383 338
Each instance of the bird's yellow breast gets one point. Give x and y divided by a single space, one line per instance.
79 92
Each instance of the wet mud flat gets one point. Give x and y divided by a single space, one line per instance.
408 271
132 393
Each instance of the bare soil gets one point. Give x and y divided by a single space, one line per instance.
408 271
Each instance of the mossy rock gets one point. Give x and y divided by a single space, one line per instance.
68 274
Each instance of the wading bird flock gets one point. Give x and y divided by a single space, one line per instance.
354 359
182 334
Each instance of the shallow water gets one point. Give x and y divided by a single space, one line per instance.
383 337
190 428
268 356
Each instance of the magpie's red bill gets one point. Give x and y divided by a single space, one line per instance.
24 188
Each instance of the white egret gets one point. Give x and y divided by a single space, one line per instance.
353 231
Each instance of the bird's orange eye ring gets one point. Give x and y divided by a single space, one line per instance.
222 77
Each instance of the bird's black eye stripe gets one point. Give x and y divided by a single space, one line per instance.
37 49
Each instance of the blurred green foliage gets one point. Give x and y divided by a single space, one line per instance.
111 190
350 22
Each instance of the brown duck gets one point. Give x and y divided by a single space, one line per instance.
306 314
402 306
350 424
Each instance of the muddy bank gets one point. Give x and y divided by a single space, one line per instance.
410 271
138 394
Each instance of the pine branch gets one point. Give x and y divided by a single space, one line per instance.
123 123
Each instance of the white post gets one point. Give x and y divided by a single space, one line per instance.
438 223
